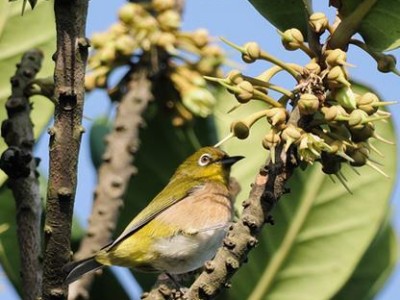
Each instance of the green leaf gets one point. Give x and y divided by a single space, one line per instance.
99 130
380 28
9 256
284 14
36 29
374 268
321 230
4 7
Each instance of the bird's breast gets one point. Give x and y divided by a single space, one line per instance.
183 253
202 220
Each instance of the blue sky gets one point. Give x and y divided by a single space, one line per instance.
238 21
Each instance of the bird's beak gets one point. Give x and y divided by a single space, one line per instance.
230 160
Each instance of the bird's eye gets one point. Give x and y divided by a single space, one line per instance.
204 160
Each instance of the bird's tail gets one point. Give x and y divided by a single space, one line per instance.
76 269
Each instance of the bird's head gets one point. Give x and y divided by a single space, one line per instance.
208 163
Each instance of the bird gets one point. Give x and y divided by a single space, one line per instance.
181 228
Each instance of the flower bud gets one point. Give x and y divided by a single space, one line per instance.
252 52
290 135
129 12
341 131
386 63
234 77
337 78
357 119
313 67
277 116
199 101
147 23
108 54
209 66
125 44
246 92
345 97
334 113
166 40
308 104
99 40
117 30
363 133
366 101
192 76
336 57
359 155
169 20
331 164
161 5
212 50
271 139
318 22
200 37
90 81
240 129
101 81
292 39
97 77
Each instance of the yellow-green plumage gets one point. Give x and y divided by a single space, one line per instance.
181 227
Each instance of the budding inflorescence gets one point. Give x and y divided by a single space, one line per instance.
324 117
148 29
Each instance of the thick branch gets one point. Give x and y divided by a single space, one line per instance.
114 174
19 164
65 138
268 187
349 25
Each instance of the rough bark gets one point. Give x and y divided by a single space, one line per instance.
65 136
19 164
114 174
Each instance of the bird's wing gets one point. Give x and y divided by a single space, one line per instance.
160 203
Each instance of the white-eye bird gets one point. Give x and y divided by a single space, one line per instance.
181 228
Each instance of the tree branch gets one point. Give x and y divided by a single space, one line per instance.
65 136
19 164
349 25
114 174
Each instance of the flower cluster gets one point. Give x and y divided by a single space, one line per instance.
152 28
324 117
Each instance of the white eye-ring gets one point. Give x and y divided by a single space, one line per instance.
204 160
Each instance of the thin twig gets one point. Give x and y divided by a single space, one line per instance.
20 166
65 136
114 174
